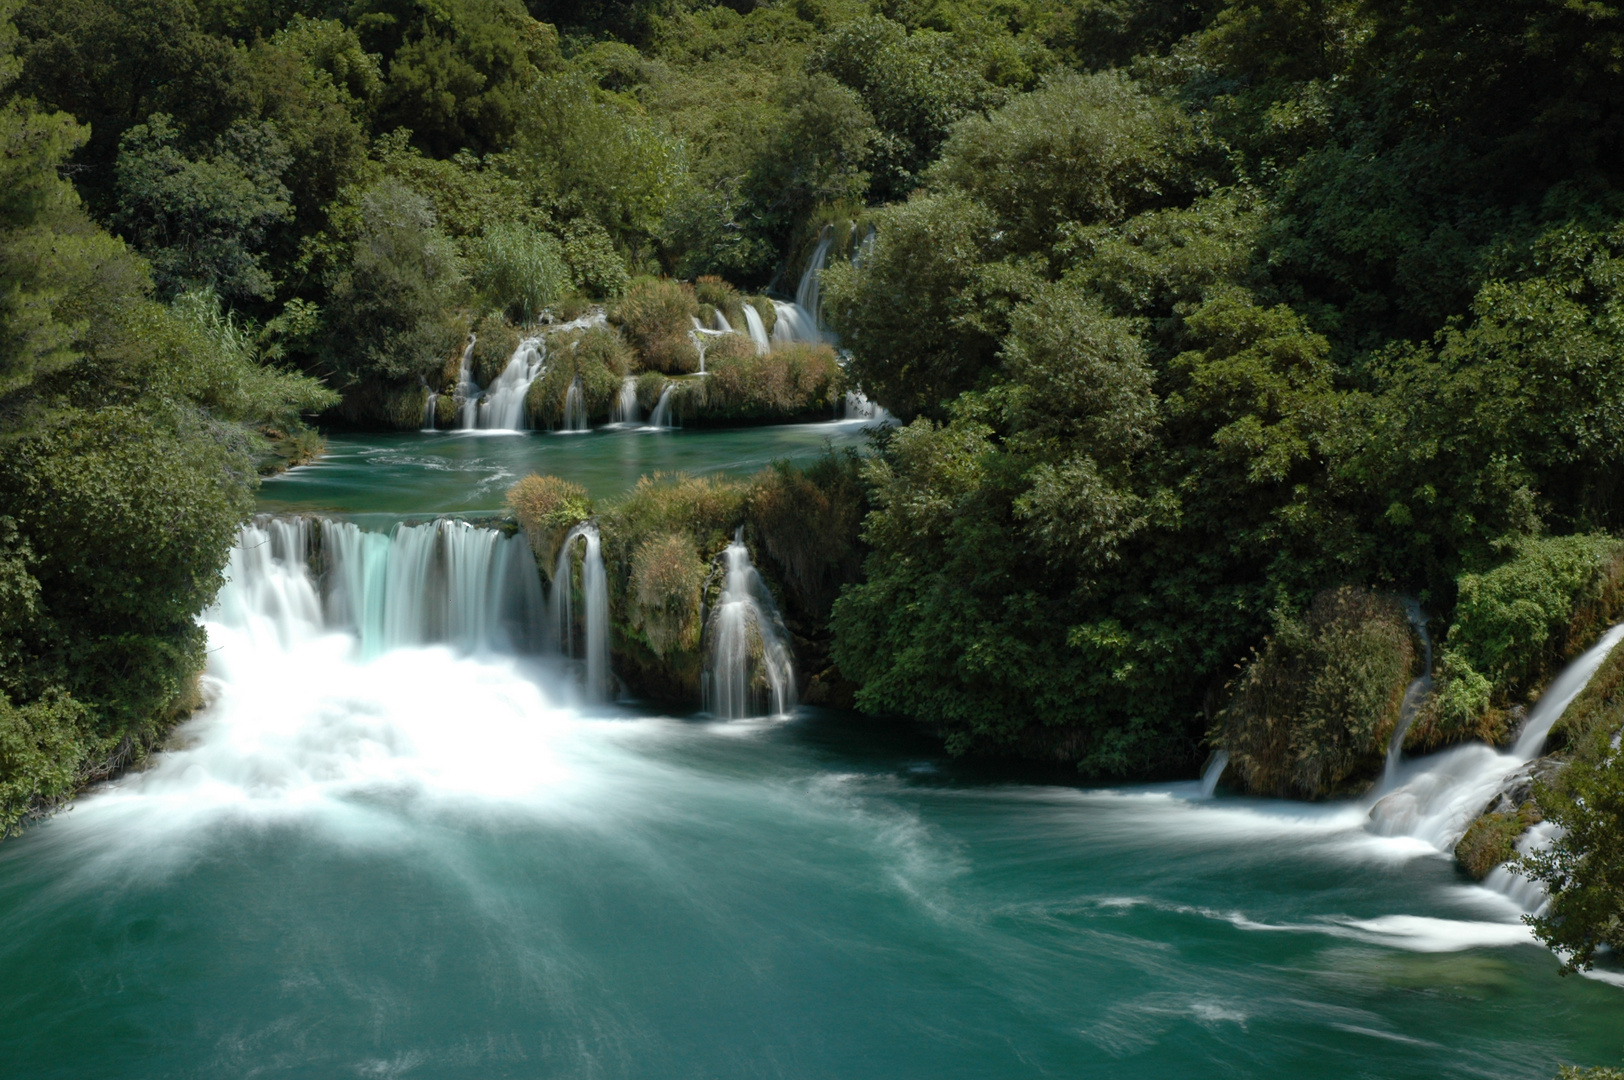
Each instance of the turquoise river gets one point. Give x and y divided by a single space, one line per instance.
437 862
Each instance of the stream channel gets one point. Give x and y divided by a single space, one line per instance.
438 862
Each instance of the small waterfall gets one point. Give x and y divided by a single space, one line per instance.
1214 772
594 603
661 417
1414 694
800 321
503 407
793 324
428 407
856 406
756 328
574 407
722 325
625 410
447 581
864 247
809 293
1435 798
467 392
750 672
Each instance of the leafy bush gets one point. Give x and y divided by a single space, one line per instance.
1081 149
1514 626
548 507
41 747
596 268
392 315
202 222
657 317
1313 711
519 270
933 257
1582 868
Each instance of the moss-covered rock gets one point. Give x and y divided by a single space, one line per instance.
1311 714
598 358
741 387
1492 839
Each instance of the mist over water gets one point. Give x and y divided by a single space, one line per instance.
440 858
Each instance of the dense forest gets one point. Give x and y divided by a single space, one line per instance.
1214 326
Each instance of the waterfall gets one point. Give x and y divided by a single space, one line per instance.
503 407
1214 772
856 406
594 602
794 323
749 671
756 328
864 247
467 392
446 581
1435 798
625 410
428 406
722 325
574 407
808 294
661 417
1414 694
799 320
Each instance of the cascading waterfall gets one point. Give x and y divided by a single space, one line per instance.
1414 694
446 581
1214 773
429 406
722 325
809 293
574 408
594 635
503 407
749 672
625 408
467 391
756 328
856 406
1435 798
793 324
661 417
799 320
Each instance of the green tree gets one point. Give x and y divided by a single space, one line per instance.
392 311
202 221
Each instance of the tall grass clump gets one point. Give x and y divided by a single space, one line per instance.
518 269
657 316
